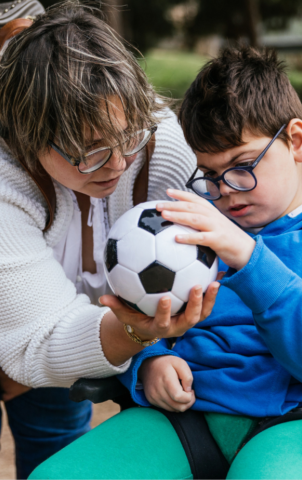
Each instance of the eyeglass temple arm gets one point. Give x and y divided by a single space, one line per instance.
266 149
69 159
191 177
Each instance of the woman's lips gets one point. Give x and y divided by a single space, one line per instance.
239 210
108 183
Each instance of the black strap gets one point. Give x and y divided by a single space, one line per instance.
268 422
205 458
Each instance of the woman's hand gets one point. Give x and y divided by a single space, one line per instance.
214 229
10 389
163 325
167 382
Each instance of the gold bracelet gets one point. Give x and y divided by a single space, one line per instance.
130 332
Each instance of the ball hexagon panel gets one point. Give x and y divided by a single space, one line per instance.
206 255
152 221
157 279
136 250
173 255
125 223
110 254
213 270
151 204
126 284
195 274
148 304
131 305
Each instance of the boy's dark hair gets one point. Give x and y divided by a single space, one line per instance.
243 88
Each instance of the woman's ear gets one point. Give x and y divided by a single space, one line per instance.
294 130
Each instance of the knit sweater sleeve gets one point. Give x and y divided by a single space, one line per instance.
49 335
173 161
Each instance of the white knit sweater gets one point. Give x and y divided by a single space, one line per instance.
49 334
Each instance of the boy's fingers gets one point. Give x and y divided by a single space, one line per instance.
181 206
199 221
175 391
207 239
185 196
185 375
181 406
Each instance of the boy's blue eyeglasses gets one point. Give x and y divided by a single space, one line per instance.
97 158
238 178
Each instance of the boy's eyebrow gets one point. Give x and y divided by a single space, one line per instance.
232 160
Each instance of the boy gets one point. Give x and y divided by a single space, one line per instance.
241 117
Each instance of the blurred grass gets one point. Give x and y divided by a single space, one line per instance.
172 72
296 81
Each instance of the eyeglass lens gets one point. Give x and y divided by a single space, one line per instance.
131 146
235 178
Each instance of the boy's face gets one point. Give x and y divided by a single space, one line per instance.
279 182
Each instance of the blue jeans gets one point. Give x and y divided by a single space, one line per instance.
42 422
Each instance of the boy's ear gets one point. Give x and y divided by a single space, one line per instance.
294 130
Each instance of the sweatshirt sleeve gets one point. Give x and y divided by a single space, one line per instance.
130 378
274 294
49 335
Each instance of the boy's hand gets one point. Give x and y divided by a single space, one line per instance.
215 230
167 383
163 325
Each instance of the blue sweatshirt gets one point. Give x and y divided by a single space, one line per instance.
246 357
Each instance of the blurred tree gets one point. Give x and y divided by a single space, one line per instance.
277 13
146 21
237 19
233 19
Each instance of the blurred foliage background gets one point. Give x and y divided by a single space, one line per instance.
177 37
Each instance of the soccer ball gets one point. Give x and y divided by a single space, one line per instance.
143 261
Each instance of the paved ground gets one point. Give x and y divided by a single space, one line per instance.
7 470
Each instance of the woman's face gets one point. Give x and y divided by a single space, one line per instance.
100 183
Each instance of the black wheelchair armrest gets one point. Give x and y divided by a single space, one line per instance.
100 390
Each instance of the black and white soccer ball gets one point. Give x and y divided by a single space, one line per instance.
143 261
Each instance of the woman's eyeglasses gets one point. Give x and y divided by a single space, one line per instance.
97 158
242 179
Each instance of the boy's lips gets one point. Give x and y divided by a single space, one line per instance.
239 210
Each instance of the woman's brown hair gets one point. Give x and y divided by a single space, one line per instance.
56 81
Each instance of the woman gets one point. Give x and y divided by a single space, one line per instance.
76 113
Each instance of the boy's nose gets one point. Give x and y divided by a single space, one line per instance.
225 189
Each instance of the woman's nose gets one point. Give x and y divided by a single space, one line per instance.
117 160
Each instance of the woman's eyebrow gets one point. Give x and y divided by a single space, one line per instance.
98 140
